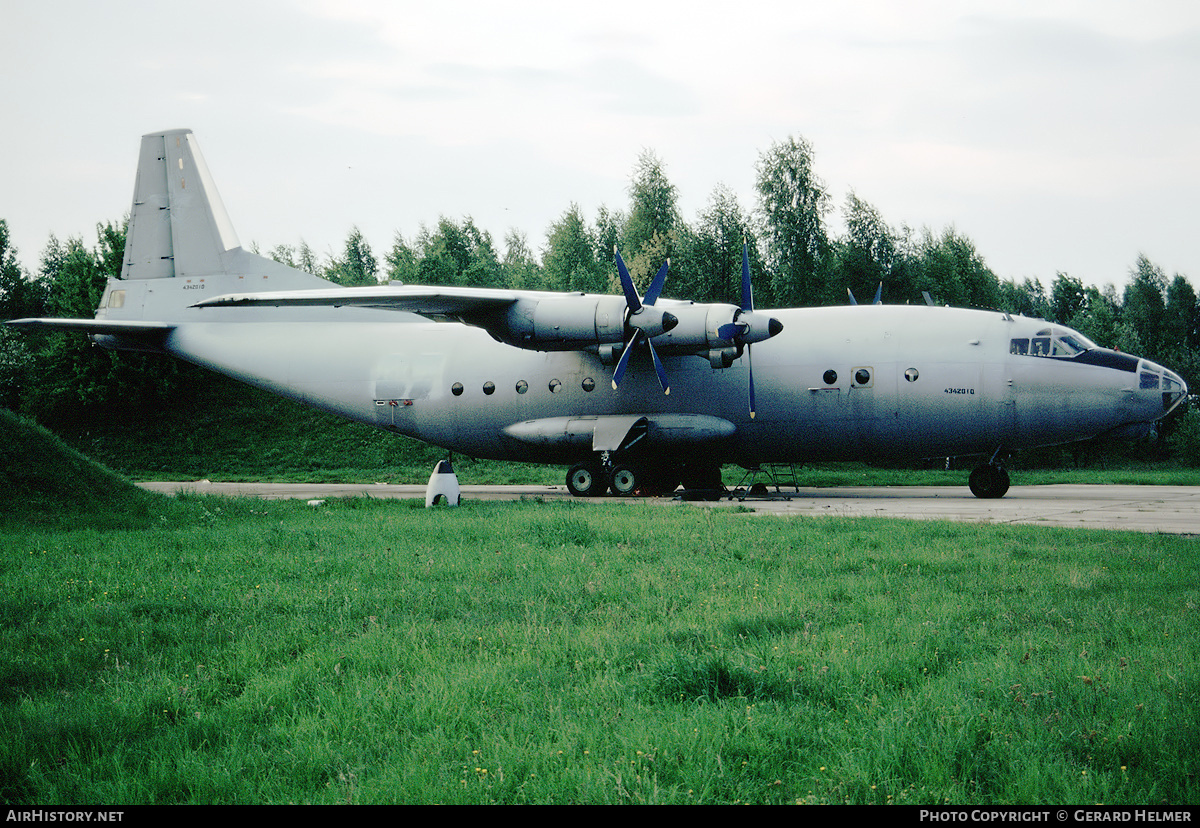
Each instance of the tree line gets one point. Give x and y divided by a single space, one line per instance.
795 260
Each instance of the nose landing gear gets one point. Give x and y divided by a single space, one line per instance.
990 481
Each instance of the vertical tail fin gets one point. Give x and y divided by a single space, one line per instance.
179 247
178 225
180 244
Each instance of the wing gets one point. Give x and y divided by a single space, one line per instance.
537 320
547 320
433 302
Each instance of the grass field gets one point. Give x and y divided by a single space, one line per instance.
208 650
236 651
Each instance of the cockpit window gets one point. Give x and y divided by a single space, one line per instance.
1078 342
1051 343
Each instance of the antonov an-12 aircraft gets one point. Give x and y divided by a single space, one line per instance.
636 394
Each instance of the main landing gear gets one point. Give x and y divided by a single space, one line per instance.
629 478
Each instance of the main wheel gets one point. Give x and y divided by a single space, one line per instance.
587 479
624 479
989 482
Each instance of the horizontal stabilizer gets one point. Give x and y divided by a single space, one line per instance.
93 326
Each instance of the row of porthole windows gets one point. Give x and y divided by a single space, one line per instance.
522 387
862 376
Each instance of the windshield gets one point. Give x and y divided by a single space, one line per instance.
1050 342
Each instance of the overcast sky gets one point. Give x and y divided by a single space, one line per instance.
1059 135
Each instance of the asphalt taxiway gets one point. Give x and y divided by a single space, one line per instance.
1166 509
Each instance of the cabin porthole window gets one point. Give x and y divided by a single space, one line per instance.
911 374
555 386
830 377
489 388
456 389
862 376
589 385
522 386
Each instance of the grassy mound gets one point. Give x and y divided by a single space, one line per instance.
43 481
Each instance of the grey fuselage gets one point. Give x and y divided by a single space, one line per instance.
857 382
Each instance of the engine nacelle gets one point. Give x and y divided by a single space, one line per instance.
561 323
568 323
715 327
554 322
698 328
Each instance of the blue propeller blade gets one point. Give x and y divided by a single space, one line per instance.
878 300
732 330
631 297
747 294
750 376
658 368
748 305
635 306
623 363
656 285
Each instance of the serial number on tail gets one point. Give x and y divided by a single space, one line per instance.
960 390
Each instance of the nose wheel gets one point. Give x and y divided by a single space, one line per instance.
989 482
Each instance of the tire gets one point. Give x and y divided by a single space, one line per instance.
587 480
624 479
989 482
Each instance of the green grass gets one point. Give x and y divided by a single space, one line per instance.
211 650
236 651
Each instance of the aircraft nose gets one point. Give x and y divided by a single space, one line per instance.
1174 390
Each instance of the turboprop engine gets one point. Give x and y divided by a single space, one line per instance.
569 323
612 325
